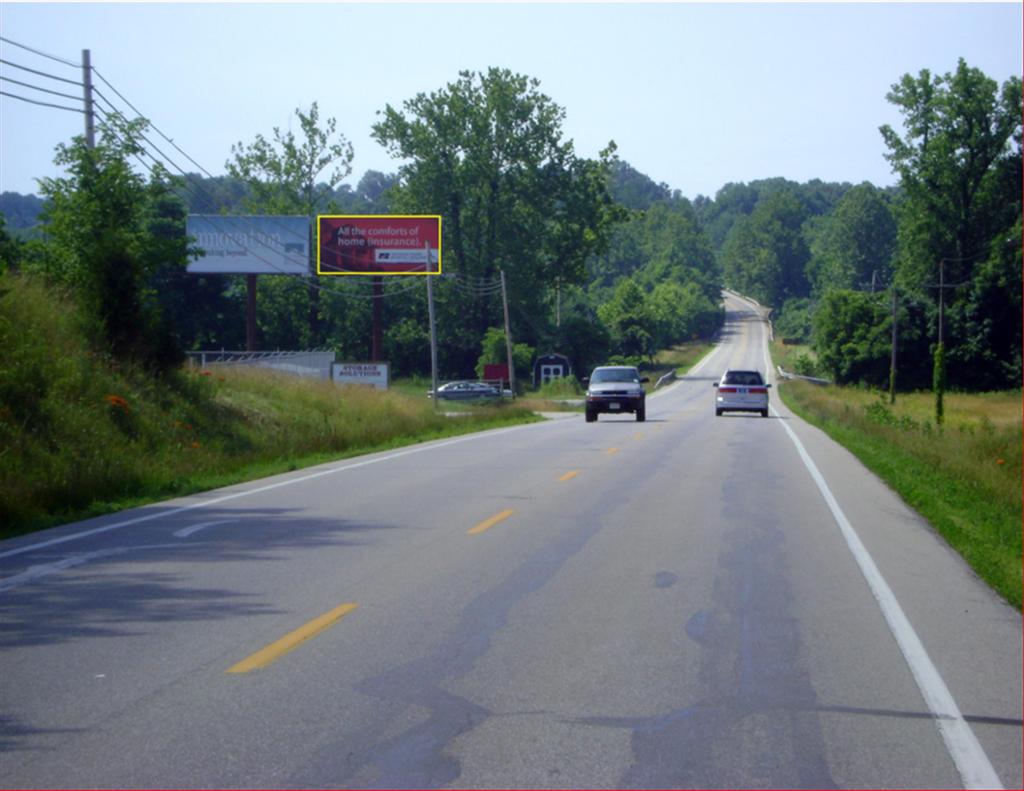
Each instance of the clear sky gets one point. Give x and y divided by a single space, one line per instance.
695 95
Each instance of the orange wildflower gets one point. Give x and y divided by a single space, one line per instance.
116 401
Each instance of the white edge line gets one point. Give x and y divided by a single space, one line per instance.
234 496
963 746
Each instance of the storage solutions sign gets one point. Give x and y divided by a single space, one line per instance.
378 244
372 374
252 245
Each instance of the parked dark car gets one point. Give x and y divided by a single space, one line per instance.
466 391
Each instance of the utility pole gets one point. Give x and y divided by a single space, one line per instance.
508 337
939 365
558 303
377 337
433 331
892 362
90 117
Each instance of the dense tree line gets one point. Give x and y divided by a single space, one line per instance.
487 153
827 257
601 261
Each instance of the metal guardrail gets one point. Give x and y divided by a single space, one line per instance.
813 379
313 363
669 377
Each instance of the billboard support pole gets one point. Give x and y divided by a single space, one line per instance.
433 330
250 313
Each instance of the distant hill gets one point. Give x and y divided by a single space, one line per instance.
21 211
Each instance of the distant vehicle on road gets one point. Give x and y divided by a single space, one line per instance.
465 391
741 391
614 389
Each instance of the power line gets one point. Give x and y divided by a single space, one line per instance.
42 104
37 88
116 118
38 52
155 128
214 219
139 114
189 176
41 73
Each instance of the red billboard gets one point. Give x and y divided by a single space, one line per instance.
378 244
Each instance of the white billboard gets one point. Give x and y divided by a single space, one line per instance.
373 374
250 244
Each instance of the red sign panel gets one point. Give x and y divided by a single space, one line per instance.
494 372
376 244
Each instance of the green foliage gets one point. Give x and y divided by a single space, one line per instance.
107 232
852 333
583 339
939 382
493 349
281 176
633 189
806 365
10 248
628 320
854 245
563 387
794 320
83 434
407 348
959 163
765 254
486 152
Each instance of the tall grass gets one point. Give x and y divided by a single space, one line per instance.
964 478
682 357
81 434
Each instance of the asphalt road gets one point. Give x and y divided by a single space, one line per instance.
686 602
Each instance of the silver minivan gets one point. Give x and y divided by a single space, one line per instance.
741 391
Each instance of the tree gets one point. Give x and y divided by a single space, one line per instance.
290 175
959 163
10 248
765 254
676 249
853 335
628 320
486 152
297 176
855 244
493 349
107 231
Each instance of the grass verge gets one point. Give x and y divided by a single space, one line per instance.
964 478
82 435
681 358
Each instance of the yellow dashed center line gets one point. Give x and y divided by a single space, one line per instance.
612 451
487 524
292 640
638 435
569 475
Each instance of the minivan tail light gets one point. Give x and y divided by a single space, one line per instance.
761 390
726 389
